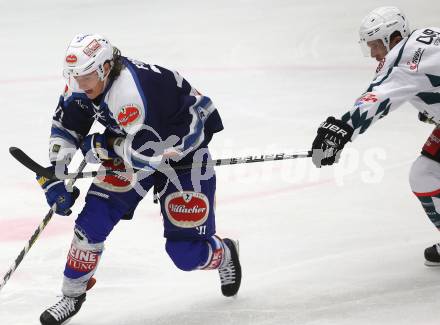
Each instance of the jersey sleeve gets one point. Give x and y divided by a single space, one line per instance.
400 81
198 117
200 121
70 124
380 99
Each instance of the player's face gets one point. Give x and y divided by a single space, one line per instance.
91 84
377 49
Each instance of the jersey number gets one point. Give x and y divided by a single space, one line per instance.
428 36
141 65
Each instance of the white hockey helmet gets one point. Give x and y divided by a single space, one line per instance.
379 24
87 53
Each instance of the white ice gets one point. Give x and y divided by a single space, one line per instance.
341 245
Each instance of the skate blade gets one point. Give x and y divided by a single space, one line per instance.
66 321
432 264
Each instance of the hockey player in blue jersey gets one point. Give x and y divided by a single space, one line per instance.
408 71
151 116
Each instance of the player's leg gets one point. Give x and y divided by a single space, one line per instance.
189 221
93 225
212 253
425 183
105 205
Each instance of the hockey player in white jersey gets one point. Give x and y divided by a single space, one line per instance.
408 71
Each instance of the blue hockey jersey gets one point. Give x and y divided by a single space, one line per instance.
151 106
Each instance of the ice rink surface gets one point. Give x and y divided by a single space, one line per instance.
341 245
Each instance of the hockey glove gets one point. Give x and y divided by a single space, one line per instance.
57 194
95 148
332 136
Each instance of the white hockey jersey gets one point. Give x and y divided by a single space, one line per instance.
410 72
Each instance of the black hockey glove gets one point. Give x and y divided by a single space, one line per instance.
332 136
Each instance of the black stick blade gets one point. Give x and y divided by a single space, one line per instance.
29 163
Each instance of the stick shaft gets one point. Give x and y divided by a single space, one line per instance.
211 163
36 234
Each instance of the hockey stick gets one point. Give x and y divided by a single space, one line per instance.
40 170
37 233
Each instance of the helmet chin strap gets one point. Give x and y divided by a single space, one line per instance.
105 77
105 82
387 44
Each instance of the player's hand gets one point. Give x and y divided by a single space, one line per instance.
57 194
332 136
95 148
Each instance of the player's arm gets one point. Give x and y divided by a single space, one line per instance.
70 124
199 121
384 95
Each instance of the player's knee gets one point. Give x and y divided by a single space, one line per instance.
187 255
424 175
83 241
95 219
414 174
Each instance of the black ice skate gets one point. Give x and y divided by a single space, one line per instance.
62 311
230 273
432 256
66 308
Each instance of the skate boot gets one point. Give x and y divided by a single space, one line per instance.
432 255
65 309
62 311
230 272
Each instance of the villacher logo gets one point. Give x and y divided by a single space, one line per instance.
183 209
187 209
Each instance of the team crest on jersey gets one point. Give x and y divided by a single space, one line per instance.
187 209
128 114
366 98
71 59
92 48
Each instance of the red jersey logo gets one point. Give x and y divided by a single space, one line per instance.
128 114
187 209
